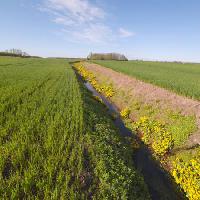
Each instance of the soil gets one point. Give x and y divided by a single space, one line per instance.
193 140
152 94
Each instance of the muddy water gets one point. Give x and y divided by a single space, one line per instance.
159 184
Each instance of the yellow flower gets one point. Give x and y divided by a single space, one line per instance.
125 113
89 76
188 177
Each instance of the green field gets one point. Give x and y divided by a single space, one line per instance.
57 142
183 79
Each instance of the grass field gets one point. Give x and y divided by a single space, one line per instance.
183 79
57 142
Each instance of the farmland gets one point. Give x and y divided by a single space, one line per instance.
99 100
57 141
183 79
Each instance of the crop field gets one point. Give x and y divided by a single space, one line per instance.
57 141
183 79
82 120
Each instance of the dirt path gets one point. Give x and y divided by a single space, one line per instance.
152 94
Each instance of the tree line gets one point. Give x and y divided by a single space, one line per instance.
107 56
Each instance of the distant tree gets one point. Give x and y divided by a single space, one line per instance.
14 52
106 56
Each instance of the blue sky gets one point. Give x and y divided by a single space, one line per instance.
141 29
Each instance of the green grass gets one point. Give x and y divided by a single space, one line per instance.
178 125
56 141
183 79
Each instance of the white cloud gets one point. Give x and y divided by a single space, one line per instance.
82 20
63 21
95 33
125 33
80 10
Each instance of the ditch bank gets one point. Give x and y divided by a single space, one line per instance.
159 182
148 94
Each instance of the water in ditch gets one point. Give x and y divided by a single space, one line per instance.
160 185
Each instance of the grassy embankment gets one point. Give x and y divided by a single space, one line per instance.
57 142
178 125
163 130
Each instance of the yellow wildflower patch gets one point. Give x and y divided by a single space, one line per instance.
187 175
125 113
106 90
154 134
